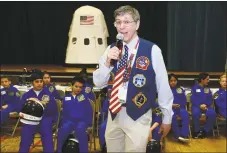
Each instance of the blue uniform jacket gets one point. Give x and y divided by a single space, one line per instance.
179 97
50 109
77 109
201 95
53 90
11 97
220 101
88 90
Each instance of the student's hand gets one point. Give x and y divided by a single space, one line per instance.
44 102
178 105
174 105
203 107
32 99
5 106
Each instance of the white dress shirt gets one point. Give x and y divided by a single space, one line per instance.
165 96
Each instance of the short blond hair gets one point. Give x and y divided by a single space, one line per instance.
127 9
222 76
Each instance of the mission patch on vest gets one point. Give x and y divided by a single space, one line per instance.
111 78
142 62
87 89
206 90
139 80
45 98
51 89
139 99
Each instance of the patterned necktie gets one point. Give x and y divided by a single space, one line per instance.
115 105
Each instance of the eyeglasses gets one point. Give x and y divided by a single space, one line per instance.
126 23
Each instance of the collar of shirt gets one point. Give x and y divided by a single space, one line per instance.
131 45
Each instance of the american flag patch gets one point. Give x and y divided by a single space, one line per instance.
86 20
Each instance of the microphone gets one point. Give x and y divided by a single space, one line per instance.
119 45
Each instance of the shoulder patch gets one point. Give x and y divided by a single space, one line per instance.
87 89
179 91
216 95
51 89
17 94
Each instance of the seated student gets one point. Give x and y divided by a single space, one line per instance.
76 116
179 110
155 137
9 101
201 99
29 128
102 127
220 97
49 86
87 87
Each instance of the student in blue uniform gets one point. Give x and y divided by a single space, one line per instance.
76 116
220 97
9 101
102 127
49 86
201 99
179 109
87 87
45 126
155 136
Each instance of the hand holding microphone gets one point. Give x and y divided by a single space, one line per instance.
114 53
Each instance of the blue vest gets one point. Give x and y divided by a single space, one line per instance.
142 85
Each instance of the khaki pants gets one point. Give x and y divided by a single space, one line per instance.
123 134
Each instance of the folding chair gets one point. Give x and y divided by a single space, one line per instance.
61 93
220 120
13 116
91 131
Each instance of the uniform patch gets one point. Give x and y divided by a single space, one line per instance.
87 89
3 92
46 98
139 80
11 93
179 90
206 90
157 111
51 89
139 100
17 94
67 98
142 62
216 96
80 97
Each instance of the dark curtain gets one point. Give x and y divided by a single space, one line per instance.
37 32
196 36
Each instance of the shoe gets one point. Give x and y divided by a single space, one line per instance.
200 134
183 139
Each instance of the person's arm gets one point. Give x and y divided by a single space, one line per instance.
102 74
209 99
165 95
